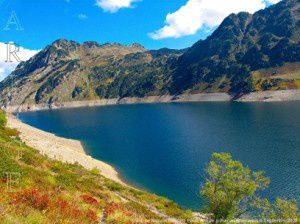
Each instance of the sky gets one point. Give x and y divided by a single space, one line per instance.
33 24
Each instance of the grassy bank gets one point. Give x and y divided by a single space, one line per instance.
36 189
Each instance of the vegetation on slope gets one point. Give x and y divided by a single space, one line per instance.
36 189
284 77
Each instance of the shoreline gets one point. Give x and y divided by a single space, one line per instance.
201 97
265 96
62 149
71 150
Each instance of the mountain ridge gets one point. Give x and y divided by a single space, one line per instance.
246 53
245 42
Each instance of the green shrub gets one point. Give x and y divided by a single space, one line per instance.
67 179
95 171
114 186
230 186
281 211
35 217
7 164
141 210
2 120
11 132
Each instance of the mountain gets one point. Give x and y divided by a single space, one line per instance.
68 71
242 44
246 53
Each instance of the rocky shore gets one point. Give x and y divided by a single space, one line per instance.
65 150
271 96
265 96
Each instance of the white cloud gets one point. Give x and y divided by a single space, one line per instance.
7 67
114 5
273 1
198 14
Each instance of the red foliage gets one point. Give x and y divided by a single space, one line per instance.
33 198
3 180
91 215
75 213
67 209
62 204
89 200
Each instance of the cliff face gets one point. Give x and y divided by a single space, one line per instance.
246 53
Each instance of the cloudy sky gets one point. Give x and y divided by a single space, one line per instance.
153 23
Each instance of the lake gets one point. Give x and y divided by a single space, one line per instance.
164 148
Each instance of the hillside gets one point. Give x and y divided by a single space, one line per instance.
234 58
37 189
67 71
246 53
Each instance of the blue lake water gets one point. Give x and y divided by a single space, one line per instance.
164 148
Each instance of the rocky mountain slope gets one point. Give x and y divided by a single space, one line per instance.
67 71
246 53
231 59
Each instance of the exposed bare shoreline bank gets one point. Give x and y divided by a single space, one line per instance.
71 151
265 96
65 150
271 96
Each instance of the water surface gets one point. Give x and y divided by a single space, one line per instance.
164 148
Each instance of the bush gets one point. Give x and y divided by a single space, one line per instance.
7 164
67 179
34 198
30 157
95 171
229 187
89 200
114 186
2 120
281 211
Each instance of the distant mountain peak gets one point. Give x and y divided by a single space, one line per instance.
91 44
137 45
63 43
